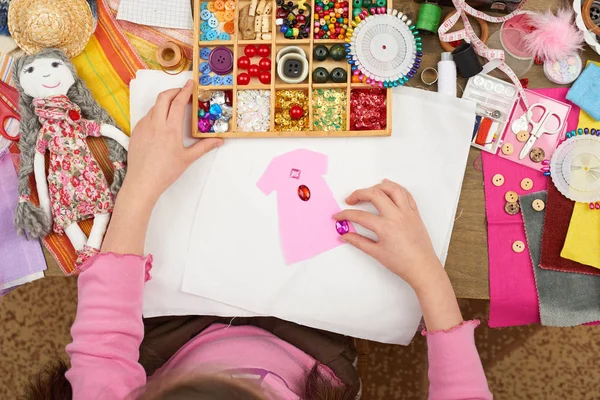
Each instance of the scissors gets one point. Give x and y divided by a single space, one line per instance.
9 98
539 127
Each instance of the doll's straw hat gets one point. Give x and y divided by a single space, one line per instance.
39 24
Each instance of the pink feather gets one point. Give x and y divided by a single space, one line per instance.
555 36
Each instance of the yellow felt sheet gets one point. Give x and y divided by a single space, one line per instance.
582 243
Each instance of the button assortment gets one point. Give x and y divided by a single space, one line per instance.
215 66
217 20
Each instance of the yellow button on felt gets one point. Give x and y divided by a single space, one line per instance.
518 246
526 184
498 180
538 205
507 148
523 136
511 196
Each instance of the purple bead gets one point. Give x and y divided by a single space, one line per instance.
419 54
204 125
342 227
410 75
586 131
413 70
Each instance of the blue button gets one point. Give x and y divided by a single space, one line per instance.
217 80
224 36
204 27
213 22
205 15
211 35
204 53
205 68
228 80
203 6
203 37
205 80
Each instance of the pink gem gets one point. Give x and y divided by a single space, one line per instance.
597 206
591 206
295 173
342 227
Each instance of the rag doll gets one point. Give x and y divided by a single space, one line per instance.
58 113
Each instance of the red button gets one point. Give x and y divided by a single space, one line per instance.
74 115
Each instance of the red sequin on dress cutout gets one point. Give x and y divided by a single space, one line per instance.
304 193
368 109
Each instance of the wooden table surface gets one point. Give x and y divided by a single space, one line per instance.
467 262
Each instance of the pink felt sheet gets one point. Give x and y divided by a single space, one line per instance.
513 296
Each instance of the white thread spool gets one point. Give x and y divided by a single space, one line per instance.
447 75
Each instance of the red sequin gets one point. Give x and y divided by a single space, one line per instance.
368 109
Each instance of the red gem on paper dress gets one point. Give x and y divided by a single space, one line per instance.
303 193
74 115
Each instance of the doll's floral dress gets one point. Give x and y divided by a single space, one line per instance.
78 188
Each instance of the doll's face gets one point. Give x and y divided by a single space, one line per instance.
46 77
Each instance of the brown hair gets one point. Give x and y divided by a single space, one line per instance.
51 384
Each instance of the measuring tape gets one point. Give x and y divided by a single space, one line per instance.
495 57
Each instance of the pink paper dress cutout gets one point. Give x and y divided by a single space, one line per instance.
305 204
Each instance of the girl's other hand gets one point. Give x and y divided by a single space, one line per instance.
157 156
404 246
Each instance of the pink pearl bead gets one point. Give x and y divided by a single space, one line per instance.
597 206
591 206
368 80
356 72
380 84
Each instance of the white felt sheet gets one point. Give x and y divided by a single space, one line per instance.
235 255
168 237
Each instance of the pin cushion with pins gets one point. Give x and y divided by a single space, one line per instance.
313 76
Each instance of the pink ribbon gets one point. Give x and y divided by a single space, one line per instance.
463 10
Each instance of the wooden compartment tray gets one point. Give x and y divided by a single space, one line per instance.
278 41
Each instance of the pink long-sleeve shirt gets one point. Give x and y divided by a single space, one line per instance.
108 331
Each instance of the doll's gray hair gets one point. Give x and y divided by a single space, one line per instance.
31 220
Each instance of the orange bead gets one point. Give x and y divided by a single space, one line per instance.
355 79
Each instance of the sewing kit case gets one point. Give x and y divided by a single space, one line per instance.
503 117
307 87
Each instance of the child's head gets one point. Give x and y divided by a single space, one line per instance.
51 384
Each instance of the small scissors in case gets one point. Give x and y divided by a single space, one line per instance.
9 98
540 127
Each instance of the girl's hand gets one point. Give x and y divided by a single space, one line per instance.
157 156
404 246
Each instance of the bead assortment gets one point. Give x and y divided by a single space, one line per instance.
280 78
331 19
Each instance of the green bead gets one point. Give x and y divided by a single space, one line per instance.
339 75
320 75
357 3
356 12
381 3
412 27
367 3
200 113
320 53
337 52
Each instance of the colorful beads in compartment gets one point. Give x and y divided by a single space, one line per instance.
293 19
331 19
214 111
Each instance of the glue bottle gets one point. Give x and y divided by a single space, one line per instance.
447 75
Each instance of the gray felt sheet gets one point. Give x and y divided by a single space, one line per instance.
566 299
